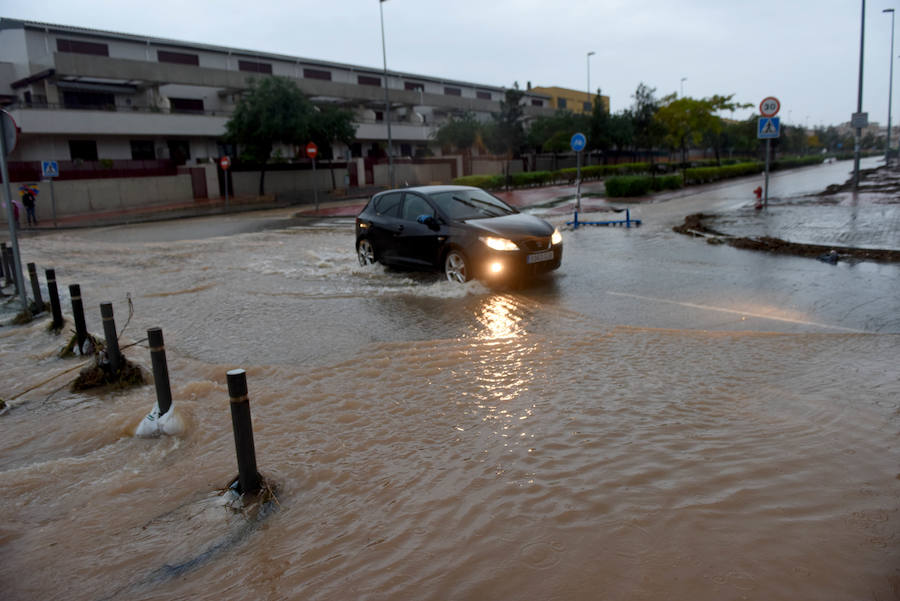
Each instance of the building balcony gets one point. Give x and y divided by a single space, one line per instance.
48 119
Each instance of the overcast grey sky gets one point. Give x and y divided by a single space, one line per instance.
804 52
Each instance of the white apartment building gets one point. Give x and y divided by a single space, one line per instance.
81 95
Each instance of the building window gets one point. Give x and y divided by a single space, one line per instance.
79 47
411 85
142 150
89 100
179 58
186 105
368 80
587 107
561 103
537 102
448 91
83 150
254 67
379 115
317 74
483 95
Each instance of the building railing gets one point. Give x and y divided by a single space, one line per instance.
116 108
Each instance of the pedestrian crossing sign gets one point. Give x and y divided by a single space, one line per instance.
768 127
49 169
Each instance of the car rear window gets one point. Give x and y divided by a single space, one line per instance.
470 204
388 204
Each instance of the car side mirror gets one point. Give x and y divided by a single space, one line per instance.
428 220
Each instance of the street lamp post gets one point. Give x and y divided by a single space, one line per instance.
387 102
859 95
589 55
887 151
683 79
588 108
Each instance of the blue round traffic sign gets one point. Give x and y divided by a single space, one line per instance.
578 142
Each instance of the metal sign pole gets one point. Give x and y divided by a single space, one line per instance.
768 146
315 187
10 215
53 202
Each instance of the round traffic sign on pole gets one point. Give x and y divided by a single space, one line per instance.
312 150
578 142
225 162
769 107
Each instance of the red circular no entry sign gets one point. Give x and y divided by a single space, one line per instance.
312 150
225 162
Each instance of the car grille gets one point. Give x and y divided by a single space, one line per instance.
536 243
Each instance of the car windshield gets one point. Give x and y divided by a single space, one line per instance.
470 204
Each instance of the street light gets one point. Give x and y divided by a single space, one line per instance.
387 102
683 79
589 55
887 152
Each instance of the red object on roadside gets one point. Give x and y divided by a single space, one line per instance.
225 162
312 150
758 192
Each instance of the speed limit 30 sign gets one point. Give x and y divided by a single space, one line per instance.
769 107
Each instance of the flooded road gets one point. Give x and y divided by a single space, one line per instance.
660 419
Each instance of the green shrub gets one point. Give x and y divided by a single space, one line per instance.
488 182
702 175
628 185
531 178
667 182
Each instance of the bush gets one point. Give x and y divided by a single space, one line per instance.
628 185
488 182
531 178
791 162
667 182
702 175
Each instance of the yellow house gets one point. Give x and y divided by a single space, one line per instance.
571 100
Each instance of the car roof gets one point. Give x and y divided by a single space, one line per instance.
431 189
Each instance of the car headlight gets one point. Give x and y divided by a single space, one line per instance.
556 238
499 243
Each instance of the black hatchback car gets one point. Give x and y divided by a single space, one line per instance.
463 231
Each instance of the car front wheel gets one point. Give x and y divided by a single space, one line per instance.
456 267
365 252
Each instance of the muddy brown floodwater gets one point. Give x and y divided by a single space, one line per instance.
602 435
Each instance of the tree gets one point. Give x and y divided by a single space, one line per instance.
647 129
690 121
554 133
461 133
600 130
271 110
332 124
506 135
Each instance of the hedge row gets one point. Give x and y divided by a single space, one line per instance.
640 185
632 175
702 175
543 178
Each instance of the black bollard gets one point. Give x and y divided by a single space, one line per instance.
54 299
35 289
160 370
4 262
248 477
8 265
112 340
78 316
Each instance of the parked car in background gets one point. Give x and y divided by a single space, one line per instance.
460 230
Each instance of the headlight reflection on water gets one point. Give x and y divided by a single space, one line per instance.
498 317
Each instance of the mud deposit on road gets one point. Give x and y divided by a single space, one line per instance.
879 186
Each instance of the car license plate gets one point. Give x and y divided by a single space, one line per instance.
538 257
